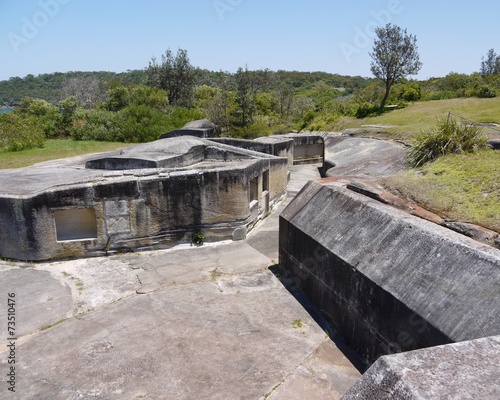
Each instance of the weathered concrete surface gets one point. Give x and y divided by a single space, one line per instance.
326 374
206 322
149 195
50 298
202 128
467 370
266 238
387 280
277 146
308 147
346 155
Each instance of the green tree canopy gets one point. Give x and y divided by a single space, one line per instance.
394 56
490 65
176 75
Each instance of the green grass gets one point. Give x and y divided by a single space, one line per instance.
459 187
419 116
54 149
297 323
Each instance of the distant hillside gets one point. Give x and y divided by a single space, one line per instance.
50 87
55 87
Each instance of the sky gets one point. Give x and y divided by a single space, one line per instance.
47 36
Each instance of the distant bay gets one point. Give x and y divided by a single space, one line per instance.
4 110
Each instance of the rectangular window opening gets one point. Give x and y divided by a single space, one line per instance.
254 189
265 181
75 224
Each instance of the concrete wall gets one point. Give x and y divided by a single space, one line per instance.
307 148
297 148
388 281
149 208
199 133
276 146
466 370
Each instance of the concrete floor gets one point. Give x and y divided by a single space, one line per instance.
209 322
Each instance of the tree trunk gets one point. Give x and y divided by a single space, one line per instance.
386 95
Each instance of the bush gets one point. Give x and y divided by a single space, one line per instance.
411 93
307 119
19 133
47 115
135 123
447 137
485 92
140 123
254 130
366 110
439 95
95 125
197 239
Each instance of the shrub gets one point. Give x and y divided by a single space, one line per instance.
485 92
439 95
19 133
411 93
197 239
95 125
140 123
366 110
307 119
447 137
254 130
48 117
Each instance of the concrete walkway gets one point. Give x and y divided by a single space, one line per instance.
210 322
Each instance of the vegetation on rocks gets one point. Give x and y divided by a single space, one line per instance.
460 187
448 137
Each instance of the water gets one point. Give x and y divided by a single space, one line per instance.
5 110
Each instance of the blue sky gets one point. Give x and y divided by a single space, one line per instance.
45 36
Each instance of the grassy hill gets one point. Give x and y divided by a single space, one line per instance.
54 149
459 187
405 123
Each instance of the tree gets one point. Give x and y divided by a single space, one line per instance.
394 56
491 65
85 88
176 75
245 95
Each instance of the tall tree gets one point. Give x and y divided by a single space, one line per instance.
491 65
86 89
176 75
245 94
394 56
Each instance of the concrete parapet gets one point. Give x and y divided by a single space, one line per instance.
201 129
308 148
388 281
466 370
276 146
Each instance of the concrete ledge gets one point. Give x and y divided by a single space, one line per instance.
467 370
389 281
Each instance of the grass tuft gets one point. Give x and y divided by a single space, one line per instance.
449 136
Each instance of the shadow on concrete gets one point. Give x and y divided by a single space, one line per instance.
357 361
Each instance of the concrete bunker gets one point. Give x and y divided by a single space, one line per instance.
145 196
388 281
